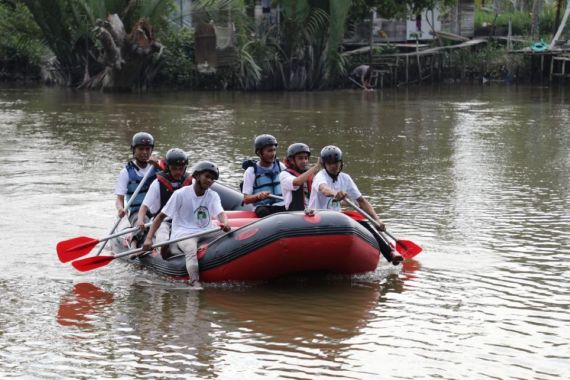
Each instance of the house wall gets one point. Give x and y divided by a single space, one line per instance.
461 19
403 30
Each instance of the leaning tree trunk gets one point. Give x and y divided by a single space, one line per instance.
534 30
130 60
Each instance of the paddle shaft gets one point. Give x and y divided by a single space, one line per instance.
363 213
277 197
123 232
356 83
131 200
137 250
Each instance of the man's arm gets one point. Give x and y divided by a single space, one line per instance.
247 199
223 219
141 216
298 181
120 205
153 228
328 192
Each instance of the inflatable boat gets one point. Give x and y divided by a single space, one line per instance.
277 245
271 247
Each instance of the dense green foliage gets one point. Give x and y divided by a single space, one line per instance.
303 51
178 57
394 8
520 20
21 48
67 28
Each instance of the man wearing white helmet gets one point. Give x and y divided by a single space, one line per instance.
191 209
331 186
172 178
132 174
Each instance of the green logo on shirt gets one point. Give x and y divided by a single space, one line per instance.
202 216
333 204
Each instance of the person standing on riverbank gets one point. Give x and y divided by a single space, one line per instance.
261 178
133 173
331 186
361 76
296 179
191 209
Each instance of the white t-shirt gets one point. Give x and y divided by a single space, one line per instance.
249 181
123 178
344 183
190 213
288 188
152 197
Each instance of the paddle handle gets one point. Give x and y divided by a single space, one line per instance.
123 232
131 200
137 250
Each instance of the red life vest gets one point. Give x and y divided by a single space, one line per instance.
169 185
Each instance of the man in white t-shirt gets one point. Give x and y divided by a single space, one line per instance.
331 186
261 178
132 174
166 183
296 179
191 209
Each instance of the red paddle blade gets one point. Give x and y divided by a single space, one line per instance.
91 263
72 249
407 248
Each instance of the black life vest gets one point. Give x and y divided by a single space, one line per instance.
169 185
301 194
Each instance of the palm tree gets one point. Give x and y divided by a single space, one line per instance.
91 46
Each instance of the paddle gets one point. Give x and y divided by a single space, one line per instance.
131 200
74 248
406 248
90 263
277 197
356 83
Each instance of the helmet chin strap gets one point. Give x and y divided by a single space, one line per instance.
293 166
335 176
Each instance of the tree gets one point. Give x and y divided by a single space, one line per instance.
89 41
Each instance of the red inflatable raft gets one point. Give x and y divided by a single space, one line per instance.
277 245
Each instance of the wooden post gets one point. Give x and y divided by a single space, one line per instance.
371 37
407 67
418 59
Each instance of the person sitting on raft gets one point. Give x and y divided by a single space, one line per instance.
174 177
331 186
133 173
191 209
261 178
296 179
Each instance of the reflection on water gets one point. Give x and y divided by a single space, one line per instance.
477 176
181 331
84 300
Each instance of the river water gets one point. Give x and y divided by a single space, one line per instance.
478 176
